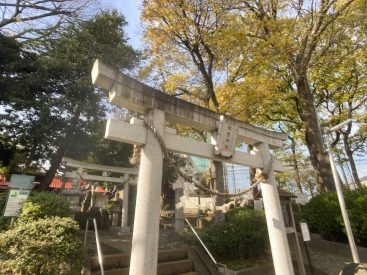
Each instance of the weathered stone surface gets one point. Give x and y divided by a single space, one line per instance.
159 107
79 164
136 134
129 93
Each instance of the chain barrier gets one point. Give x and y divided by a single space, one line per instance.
261 178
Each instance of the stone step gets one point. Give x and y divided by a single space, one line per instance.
122 260
111 261
116 271
176 267
174 254
168 268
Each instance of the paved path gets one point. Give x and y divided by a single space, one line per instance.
329 263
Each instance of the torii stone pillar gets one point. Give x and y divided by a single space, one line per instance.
277 235
179 210
125 207
144 253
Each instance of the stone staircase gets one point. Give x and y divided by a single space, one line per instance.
170 262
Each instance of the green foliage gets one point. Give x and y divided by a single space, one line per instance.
244 235
324 216
50 107
321 213
356 202
274 63
3 197
4 222
46 246
43 205
4 170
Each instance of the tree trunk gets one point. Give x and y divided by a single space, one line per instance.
57 158
349 153
313 137
295 165
55 163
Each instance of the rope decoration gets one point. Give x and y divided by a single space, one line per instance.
135 158
160 140
259 178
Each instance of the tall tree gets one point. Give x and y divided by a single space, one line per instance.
254 52
70 57
67 109
187 36
339 84
190 28
294 31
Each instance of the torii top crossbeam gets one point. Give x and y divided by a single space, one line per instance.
86 165
129 93
97 167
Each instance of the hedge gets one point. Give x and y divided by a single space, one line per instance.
4 222
324 216
47 246
41 205
244 235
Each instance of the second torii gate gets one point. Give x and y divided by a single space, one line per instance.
127 180
226 132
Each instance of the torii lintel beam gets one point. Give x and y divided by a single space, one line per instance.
91 166
137 134
129 93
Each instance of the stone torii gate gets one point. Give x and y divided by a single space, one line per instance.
127 180
160 108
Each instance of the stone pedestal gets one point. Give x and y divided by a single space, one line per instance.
74 197
116 213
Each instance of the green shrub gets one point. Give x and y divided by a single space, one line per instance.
46 246
321 214
356 202
42 205
324 216
3 198
244 235
4 222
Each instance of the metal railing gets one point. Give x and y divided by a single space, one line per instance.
99 250
205 248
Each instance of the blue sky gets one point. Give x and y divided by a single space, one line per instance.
131 10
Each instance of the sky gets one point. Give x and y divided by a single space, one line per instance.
131 10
